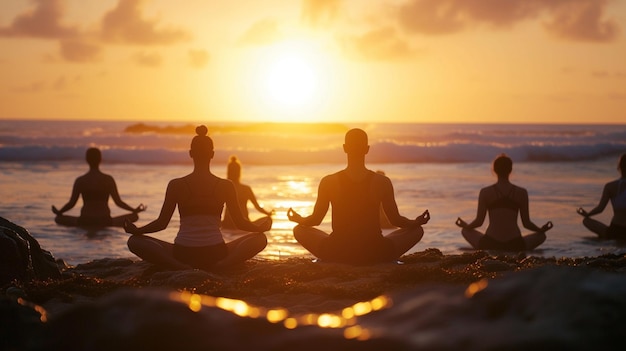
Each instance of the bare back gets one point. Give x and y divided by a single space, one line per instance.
503 205
95 189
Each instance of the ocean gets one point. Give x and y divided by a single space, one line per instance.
439 167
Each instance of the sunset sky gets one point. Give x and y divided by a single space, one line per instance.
493 61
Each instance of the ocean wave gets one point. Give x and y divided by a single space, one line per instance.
384 152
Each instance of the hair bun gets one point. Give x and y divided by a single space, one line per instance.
201 130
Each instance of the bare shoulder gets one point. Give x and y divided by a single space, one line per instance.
519 193
176 183
224 185
613 185
488 191
330 182
381 180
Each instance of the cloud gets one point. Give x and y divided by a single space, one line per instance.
579 20
381 44
148 59
199 58
61 83
79 51
124 24
607 74
617 96
32 87
317 12
261 33
582 21
43 21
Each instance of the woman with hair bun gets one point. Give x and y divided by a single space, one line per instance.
200 197
504 201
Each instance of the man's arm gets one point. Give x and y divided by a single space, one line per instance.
391 208
321 206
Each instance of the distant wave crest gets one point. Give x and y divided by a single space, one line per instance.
385 152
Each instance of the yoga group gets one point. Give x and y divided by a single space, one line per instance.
362 202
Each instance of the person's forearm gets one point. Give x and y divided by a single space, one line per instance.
310 221
66 208
152 227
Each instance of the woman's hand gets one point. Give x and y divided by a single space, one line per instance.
547 226
140 208
131 228
423 218
56 211
461 223
582 212
294 216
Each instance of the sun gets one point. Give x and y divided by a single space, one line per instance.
292 80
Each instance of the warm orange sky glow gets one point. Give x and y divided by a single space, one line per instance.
540 61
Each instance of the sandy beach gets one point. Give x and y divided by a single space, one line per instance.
430 301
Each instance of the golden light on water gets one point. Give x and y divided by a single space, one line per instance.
346 318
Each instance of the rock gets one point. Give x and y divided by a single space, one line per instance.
21 325
21 257
546 308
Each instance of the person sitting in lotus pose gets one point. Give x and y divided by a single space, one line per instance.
95 188
503 201
356 194
615 191
244 195
200 197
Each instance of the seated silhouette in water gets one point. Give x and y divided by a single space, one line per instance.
615 191
244 194
356 195
200 197
503 201
95 188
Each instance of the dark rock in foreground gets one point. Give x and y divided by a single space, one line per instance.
473 301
